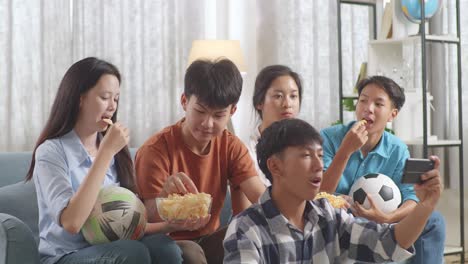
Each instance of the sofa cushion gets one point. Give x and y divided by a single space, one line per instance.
20 200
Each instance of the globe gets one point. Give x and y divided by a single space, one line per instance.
412 9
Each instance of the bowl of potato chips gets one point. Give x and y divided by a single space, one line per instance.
182 207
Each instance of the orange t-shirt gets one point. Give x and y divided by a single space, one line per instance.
165 153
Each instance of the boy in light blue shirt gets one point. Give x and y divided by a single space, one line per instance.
354 150
390 148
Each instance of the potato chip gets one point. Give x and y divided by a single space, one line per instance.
335 201
108 121
181 207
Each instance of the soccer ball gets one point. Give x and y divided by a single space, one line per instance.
381 188
117 214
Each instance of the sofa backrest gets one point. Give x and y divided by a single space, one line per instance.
13 167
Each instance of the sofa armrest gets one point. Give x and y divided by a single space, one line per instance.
19 200
17 243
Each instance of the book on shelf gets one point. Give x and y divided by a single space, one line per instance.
386 25
362 74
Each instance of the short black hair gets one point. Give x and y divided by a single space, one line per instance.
281 135
394 91
264 79
216 84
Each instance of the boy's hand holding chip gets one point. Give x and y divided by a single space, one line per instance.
178 183
355 138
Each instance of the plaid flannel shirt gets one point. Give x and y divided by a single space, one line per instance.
261 234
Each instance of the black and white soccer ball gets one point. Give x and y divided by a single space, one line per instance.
383 190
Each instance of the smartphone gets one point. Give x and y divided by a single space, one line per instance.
414 168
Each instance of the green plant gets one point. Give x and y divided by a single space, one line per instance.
349 105
389 130
337 122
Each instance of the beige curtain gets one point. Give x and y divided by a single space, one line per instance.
35 50
303 35
148 41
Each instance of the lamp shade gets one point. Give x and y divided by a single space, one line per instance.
214 49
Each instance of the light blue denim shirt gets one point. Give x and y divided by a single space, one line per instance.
388 157
61 165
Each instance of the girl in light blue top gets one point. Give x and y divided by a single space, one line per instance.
76 154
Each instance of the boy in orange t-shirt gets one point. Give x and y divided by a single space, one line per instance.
197 154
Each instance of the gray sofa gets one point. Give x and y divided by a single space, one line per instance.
19 213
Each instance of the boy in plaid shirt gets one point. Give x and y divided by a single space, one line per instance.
287 227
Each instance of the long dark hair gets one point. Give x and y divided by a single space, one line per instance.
80 78
264 79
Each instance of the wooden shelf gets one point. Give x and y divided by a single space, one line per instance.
358 2
452 250
389 41
443 38
430 38
435 143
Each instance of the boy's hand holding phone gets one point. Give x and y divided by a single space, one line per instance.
430 187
